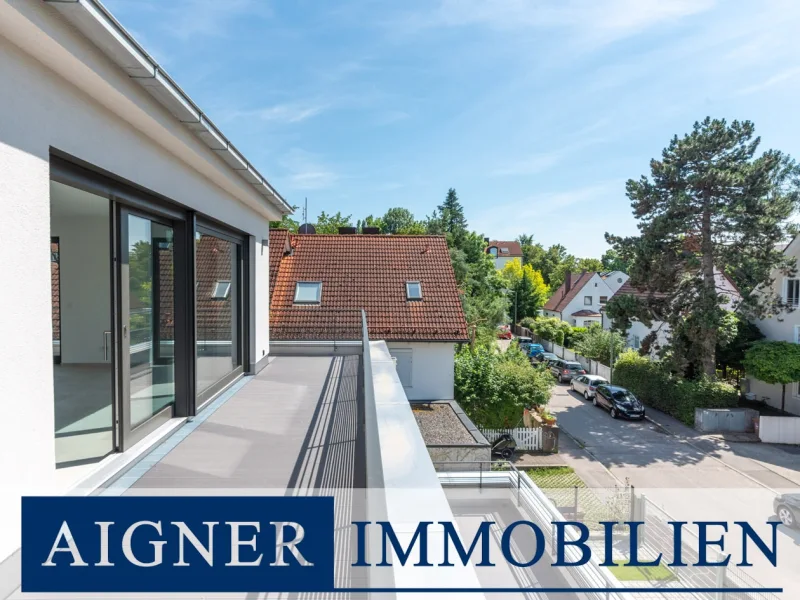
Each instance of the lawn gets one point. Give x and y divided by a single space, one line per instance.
624 572
564 487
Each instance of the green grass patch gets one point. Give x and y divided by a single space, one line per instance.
555 477
624 572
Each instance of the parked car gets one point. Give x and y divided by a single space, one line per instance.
565 370
504 332
534 350
587 385
523 343
545 357
787 507
619 402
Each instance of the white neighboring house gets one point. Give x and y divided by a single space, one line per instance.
783 327
638 330
503 252
405 284
581 298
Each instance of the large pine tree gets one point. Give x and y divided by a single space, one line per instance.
710 203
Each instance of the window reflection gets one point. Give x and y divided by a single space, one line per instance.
217 309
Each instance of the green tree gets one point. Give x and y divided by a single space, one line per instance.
527 291
776 363
449 219
737 335
495 388
286 222
330 223
369 221
552 329
598 344
592 265
710 203
612 260
397 219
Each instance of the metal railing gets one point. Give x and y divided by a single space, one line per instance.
314 323
541 510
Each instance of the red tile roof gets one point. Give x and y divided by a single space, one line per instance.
369 272
514 249
278 245
559 300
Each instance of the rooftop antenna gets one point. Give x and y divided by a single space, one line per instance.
305 211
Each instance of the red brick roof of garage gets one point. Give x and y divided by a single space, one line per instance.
369 272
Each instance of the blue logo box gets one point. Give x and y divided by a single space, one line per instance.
177 544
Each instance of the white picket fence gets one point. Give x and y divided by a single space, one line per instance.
526 438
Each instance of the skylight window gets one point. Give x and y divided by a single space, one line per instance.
413 290
504 250
222 290
308 292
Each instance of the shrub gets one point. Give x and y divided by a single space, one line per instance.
528 322
494 388
550 328
575 336
597 342
669 393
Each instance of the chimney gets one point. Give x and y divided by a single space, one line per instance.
568 282
371 230
486 240
347 230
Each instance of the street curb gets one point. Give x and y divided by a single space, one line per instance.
722 462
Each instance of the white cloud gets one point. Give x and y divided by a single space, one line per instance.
598 22
543 161
771 81
305 171
288 113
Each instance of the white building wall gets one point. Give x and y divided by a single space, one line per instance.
432 369
595 288
59 91
615 279
502 261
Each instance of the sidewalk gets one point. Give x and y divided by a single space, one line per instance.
771 465
571 454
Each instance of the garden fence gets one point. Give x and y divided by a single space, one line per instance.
526 438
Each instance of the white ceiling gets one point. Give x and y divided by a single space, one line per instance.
70 202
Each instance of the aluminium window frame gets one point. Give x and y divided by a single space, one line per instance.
316 302
409 297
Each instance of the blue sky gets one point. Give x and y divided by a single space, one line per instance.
535 111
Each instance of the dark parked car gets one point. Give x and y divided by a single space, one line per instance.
545 357
619 402
787 507
565 370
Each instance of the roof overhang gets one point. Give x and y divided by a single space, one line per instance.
94 21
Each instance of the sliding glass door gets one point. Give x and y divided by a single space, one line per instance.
147 323
218 302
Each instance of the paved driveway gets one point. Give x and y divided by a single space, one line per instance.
689 480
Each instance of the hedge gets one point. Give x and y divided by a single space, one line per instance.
668 393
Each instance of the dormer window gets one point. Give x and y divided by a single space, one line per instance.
222 290
413 290
493 251
308 292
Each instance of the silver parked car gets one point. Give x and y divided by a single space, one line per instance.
587 385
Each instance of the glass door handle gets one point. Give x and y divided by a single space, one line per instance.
106 343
